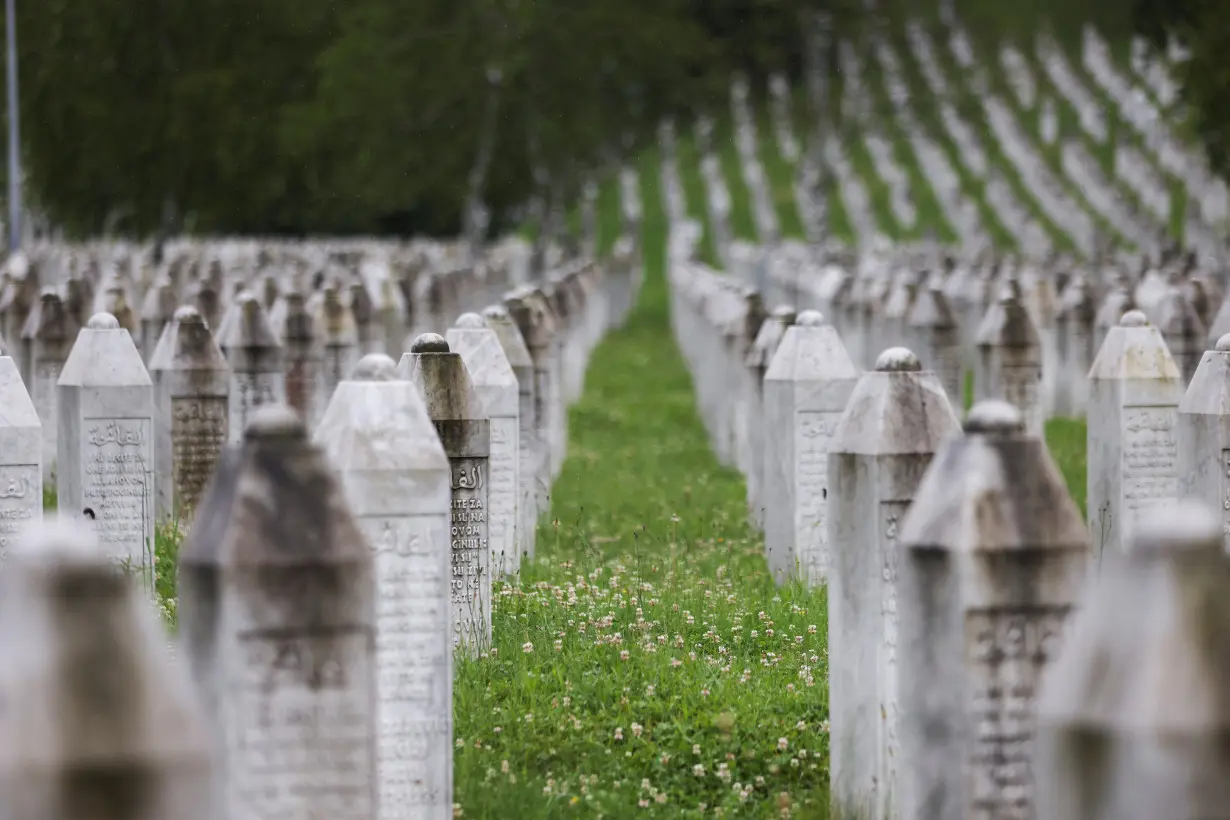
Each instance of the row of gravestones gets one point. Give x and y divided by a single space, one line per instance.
323 584
962 616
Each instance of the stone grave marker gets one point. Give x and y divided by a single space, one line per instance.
21 456
255 356
767 340
393 470
98 721
538 328
1203 433
302 361
931 325
1182 329
806 389
1010 358
277 618
157 311
191 396
496 385
1135 390
1132 718
897 418
993 557
460 420
49 335
105 445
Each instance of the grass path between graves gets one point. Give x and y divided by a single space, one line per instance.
645 664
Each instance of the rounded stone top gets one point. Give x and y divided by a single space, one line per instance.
810 318
498 313
785 313
187 314
429 343
1223 344
898 360
470 321
1134 318
103 321
1185 525
270 421
374 367
994 416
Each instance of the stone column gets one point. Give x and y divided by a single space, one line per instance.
767 340
1203 433
931 324
806 389
255 356
98 720
1010 358
49 335
465 431
993 557
105 446
297 330
378 435
537 326
21 456
1135 391
277 617
496 385
897 418
192 384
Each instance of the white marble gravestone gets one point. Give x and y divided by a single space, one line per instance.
537 324
767 340
1135 390
380 439
255 356
462 424
931 325
1203 433
1182 329
1010 358
49 334
497 318
496 384
21 456
191 396
806 389
993 557
1132 717
897 418
105 445
98 721
302 361
277 618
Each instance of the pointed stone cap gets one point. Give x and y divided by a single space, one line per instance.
931 310
377 422
1145 653
274 501
247 326
114 301
901 296
1007 323
767 340
811 350
49 321
1209 391
487 365
896 409
1177 318
994 489
86 678
16 408
104 356
292 322
1135 350
506 330
187 344
533 315
442 380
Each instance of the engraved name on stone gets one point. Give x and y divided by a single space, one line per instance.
117 485
1150 454
198 434
470 549
20 502
812 443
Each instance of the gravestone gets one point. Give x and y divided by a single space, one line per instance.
49 333
1203 434
462 424
378 436
1132 717
1182 329
339 339
1074 328
295 327
105 445
767 340
157 311
1135 390
1010 358
255 357
98 721
993 557
496 386
497 318
897 418
538 328
806 389
932 327
191 396
21 456
277 617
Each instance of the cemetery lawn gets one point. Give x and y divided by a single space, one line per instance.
645 664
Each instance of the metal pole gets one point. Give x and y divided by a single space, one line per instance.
10 26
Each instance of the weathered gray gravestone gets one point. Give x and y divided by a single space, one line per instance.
994 554
301 357
191 396
931 325
522 364
1203 433
97 721
897 418
1132 715
255 356
537 325
1135 391
767 340
496 385
379 437
49 334
806 389
277 617
105 445
462 424
21 456
1010 358
1182 329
